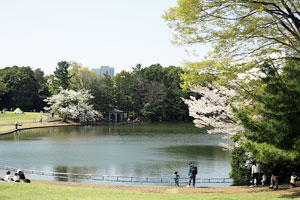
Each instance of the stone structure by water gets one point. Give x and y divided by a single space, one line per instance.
115 116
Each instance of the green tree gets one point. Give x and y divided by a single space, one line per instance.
174 108
21 88
82 77
42 86
160 94
272 124
102 88
2 88
124 94
61 75
238 29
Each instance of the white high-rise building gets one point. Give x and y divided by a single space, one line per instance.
105 70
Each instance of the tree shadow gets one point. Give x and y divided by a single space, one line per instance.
294 195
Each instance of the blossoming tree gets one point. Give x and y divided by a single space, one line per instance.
74 105
213 110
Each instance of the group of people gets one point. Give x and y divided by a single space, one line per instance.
255 172
193 171
18 177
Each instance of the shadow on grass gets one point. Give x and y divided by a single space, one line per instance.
294 195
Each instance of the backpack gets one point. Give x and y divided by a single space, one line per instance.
194 170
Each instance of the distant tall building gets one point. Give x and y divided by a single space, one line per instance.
112 72
97 71
105 70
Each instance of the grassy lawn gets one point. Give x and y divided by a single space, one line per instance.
11 118
27 120
39 191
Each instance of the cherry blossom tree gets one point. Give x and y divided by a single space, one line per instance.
213 110
74 105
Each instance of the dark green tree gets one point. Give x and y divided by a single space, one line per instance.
2 88
21 88
43 90
153 107
272 129
102 88
176 109
62 76
124 92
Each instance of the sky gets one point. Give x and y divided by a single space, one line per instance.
118 33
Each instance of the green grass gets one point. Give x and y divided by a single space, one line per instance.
37 191
11 118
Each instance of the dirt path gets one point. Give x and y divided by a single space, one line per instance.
283 189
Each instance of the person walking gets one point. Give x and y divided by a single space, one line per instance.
293 178
274 177
176 179
255 174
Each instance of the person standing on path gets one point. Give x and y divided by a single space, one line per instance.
192 174
17 124
274 177
255 174
41 119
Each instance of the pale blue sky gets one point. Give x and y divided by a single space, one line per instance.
119 33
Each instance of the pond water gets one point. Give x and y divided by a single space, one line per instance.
150 150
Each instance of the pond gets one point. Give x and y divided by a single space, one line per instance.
149 150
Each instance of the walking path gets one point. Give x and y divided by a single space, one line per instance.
283 189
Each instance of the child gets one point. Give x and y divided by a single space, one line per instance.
293 178
16 178
263 180
176 179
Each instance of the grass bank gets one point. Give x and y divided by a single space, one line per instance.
56 190
27 120
11 117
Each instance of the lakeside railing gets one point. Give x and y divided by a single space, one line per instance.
110 178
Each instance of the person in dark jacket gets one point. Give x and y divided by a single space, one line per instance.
192 174
274 177
22 176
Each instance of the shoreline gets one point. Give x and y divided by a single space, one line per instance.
61 124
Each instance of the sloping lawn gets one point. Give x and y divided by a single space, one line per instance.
37 191
11 118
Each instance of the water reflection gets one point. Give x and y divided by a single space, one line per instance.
70 171
196 152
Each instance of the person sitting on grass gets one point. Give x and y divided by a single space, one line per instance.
8 178
22 176
16 178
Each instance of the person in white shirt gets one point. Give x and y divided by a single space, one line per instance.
8 178
255 174
263 180
16 178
